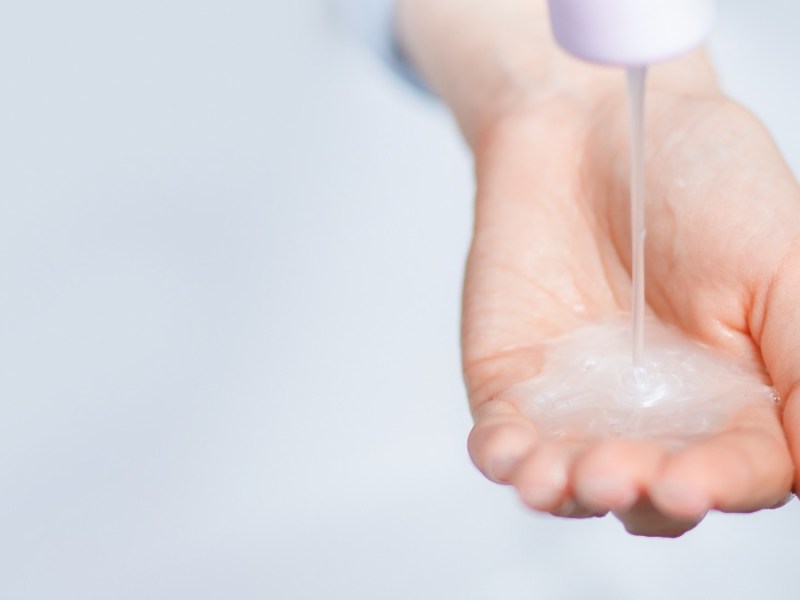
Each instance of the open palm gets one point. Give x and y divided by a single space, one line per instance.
551 253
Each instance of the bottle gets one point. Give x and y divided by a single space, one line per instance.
630 33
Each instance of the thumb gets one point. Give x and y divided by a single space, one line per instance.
780 345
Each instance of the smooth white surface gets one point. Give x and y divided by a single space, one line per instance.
231 258
631 32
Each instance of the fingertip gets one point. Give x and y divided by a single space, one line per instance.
542 478
680 500
644 519
738 471
606 493
542 498
683 489
570 509
612 475
498 443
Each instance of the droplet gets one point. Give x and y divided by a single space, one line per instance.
590 363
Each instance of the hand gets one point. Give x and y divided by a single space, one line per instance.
551 253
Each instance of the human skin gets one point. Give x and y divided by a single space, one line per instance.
551 253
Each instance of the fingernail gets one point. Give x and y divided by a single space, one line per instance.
607 492
681 499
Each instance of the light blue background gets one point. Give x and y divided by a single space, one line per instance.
231 247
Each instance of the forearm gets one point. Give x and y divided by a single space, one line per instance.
486 58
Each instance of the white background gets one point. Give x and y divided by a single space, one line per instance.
231 247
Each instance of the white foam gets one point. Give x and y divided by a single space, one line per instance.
589 387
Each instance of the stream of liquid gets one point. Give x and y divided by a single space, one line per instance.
636 85
601 380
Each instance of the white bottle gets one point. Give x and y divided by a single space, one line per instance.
630 32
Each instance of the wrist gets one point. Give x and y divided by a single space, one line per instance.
571 93
490 58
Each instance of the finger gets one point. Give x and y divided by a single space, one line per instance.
776 328
613 474
741 470
570 509
542 478
784 501
791 425
500 438
644 519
